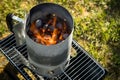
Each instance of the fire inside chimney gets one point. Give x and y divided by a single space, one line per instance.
49 31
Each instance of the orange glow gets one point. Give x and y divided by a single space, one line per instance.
47 36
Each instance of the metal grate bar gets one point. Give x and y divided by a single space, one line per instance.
94 68
93 73
19 48
23 50
75 47
86 53
84 71
93 62
96 75
6 40
84 67
73 65
8 46
18 68
23 71
72 62
25 54
8 43
21 66
77 58
14 56
81 67
74 70
17 60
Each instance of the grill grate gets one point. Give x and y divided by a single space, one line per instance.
82 67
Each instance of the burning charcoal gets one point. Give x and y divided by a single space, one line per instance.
47 37
42 42
61 37
38 23
53 15
45 26
59 25
51 28
65 35
54 20
64 19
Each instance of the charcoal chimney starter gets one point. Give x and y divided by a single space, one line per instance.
48 60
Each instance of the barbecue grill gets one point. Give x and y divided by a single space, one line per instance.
81 67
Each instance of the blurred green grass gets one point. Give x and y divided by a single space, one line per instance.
96 22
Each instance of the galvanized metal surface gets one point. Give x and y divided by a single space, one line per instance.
53 55
82 67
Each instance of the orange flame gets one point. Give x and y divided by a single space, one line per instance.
53 37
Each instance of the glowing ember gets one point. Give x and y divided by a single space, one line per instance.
49 31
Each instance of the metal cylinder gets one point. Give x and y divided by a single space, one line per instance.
48 60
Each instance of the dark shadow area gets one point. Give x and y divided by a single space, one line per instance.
114 67
9 73
113 11
113 8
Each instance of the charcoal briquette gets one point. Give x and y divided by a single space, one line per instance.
38 23
51 28
59 25
45 26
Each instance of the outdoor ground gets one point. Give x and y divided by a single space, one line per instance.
97 29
